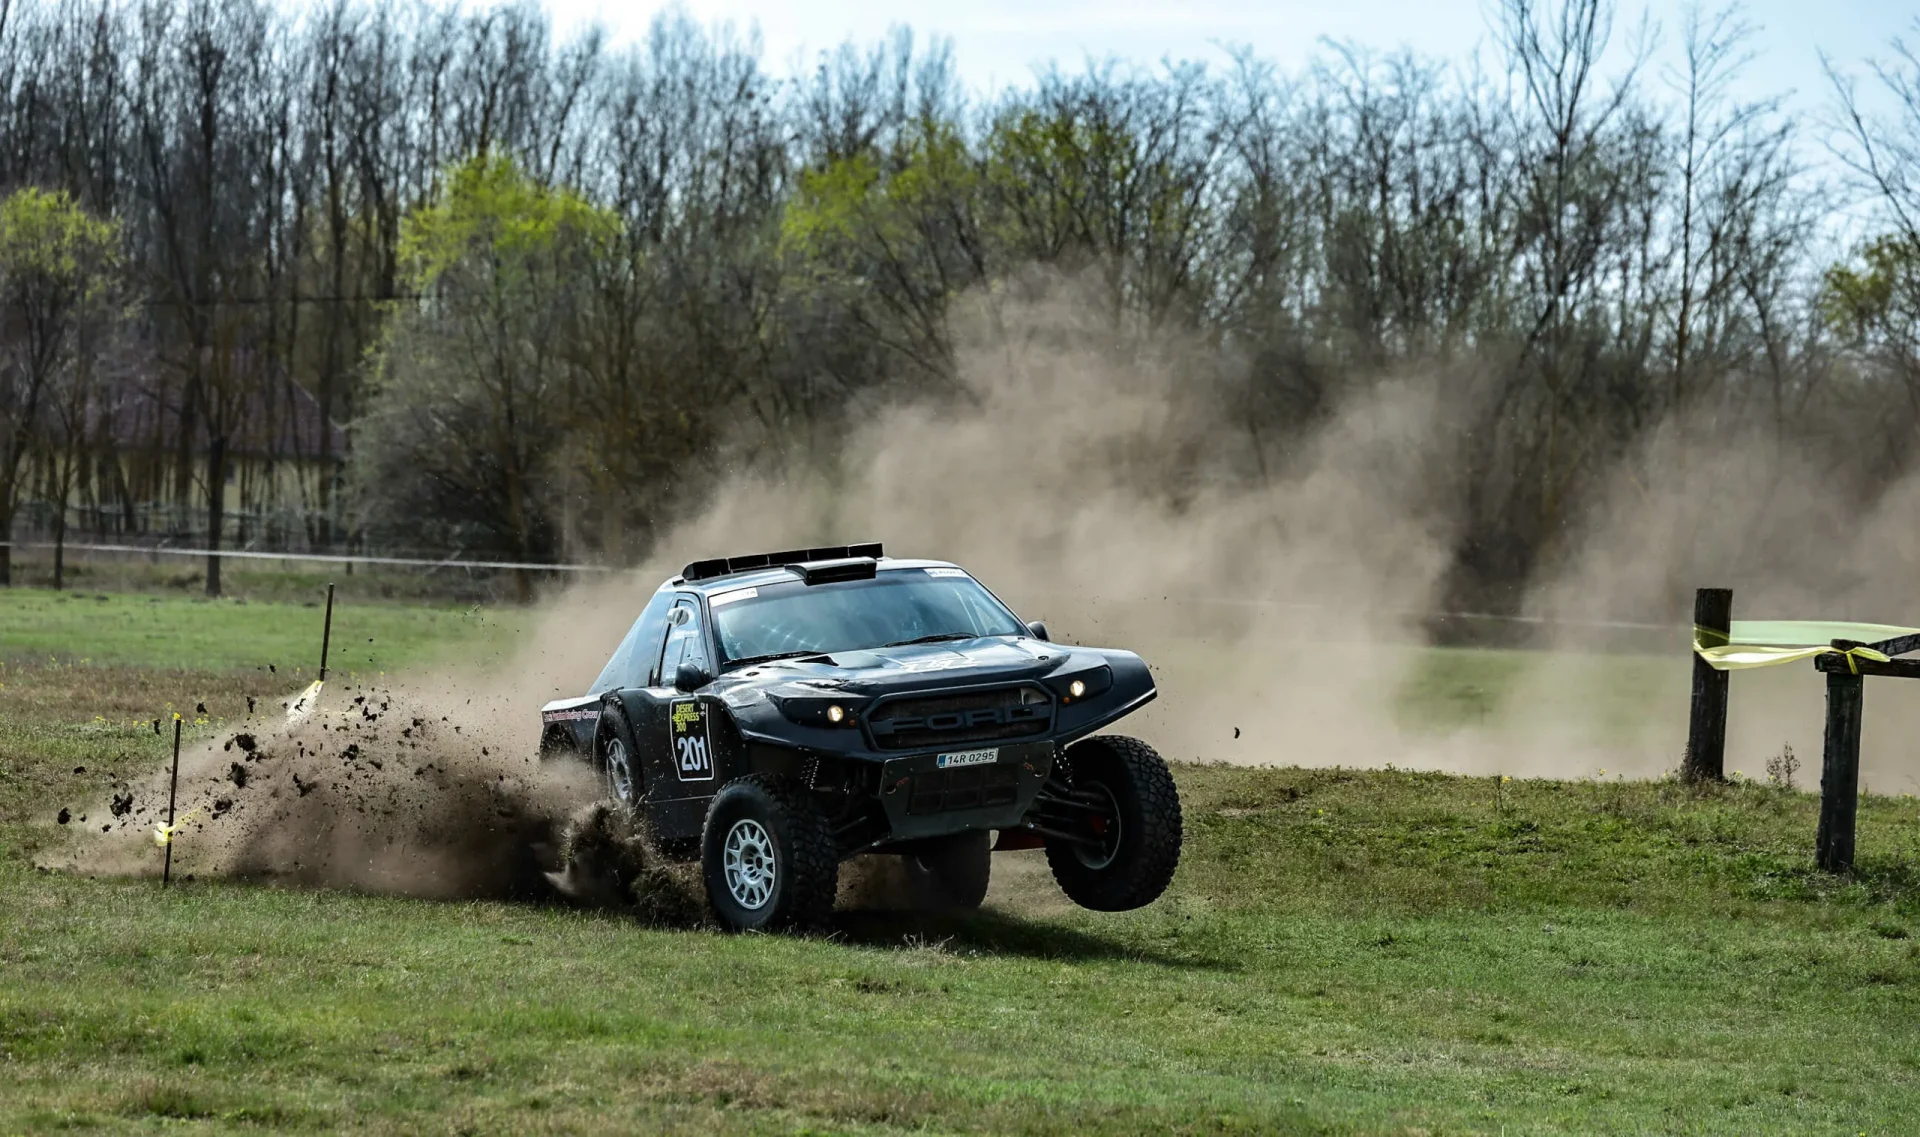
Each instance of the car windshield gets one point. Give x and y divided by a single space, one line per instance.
895 607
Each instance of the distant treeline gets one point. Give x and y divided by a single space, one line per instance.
412 275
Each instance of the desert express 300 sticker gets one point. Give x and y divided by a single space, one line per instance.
691 742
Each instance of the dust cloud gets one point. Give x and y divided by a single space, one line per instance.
420 790
1275 586
1110 492
1704 504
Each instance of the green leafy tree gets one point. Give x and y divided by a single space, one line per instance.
894 240
469 404
1876 300
57 267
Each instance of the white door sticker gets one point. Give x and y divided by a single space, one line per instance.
692 748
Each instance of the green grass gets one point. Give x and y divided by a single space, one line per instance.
1341 952
159 632
273 581
1606 693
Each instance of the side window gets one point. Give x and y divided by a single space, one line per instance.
678 622
685 640
696 634
631 664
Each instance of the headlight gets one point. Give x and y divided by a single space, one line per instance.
840 712
1081 684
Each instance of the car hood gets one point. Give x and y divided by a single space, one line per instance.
912 665
1119 680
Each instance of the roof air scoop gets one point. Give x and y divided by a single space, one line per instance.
847 568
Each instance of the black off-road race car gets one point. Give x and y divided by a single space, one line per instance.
775 714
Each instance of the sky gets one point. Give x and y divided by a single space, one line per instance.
997 42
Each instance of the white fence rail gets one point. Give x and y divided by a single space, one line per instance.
326 558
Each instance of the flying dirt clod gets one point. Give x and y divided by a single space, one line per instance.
342 799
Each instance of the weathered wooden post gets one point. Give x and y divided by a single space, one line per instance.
1706 757
1840 767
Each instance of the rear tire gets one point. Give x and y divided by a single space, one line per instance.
767 856
1138 841
616 757
951 874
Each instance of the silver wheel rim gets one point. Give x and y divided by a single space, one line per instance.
619 771
747 858
1110 840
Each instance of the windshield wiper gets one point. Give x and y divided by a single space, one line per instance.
934 639
771 656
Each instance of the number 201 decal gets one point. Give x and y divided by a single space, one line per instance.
692 747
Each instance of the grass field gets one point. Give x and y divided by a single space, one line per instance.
264 580
1370 952
161 633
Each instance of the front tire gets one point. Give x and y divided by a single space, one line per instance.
1131 846
767 856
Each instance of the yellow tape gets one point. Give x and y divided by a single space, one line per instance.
1738 657
1769 643
304 703
163 834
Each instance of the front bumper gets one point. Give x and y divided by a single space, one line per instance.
924 799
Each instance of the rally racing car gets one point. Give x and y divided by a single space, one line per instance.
772 715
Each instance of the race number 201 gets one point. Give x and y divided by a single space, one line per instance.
692 747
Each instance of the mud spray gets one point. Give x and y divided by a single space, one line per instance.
1115 492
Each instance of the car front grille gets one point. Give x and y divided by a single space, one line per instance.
952 717
967 787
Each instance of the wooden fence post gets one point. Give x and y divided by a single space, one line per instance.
1840 769
1706 757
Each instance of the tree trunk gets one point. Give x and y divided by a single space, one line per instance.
183 455
60 544
216 507
6 538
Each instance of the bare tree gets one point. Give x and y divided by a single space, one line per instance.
1878 302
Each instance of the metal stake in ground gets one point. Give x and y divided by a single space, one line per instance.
326 633
173 792
303 703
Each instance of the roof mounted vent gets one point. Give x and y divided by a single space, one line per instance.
849 568
727 566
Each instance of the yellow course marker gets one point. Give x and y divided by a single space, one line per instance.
303 704
1769 643
305 701
163 834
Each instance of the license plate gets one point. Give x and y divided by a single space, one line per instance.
968 758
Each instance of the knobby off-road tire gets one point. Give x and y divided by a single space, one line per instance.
951 874
1135 866
767 856
616 756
